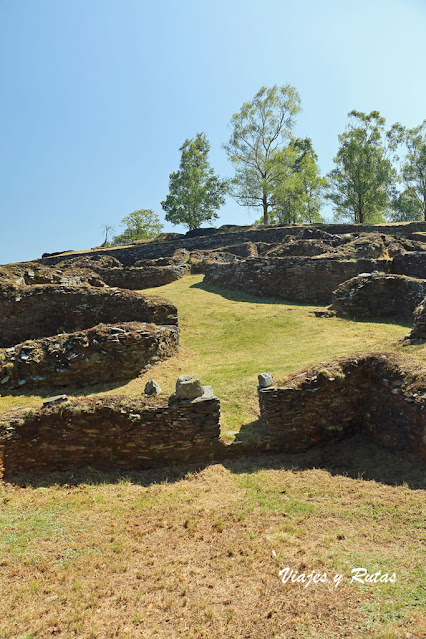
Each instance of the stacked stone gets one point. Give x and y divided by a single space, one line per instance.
419 329
45 310
109 432
98 354
297 279
412 264
238 235
379 295
137 278
381 394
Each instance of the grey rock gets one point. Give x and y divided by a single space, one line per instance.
152 388
188 387
207 392
52 401
265 380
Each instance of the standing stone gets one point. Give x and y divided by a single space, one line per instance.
265 380
152 388
188 387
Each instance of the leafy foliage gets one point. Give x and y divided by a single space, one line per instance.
261 130
361 182
298 188
410 204
195 192
139 225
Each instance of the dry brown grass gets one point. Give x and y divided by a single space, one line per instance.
190 555
199 556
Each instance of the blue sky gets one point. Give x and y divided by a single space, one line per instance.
97 96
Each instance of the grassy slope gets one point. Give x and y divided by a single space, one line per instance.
228 338
192 556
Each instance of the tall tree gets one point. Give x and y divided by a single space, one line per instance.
361 182
261 130
298 188
410 204
139 225
195 192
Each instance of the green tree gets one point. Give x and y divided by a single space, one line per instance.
410 204
261 131
139 225
361 182
195 192
297 193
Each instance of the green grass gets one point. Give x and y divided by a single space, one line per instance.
228 338
195 553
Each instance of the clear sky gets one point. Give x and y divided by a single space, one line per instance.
97 96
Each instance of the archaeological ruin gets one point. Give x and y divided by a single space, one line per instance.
80 318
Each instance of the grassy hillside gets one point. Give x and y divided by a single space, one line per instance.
227 338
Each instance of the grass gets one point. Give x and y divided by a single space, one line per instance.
228 338
195 553
198 556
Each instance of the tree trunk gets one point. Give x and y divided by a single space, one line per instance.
265 209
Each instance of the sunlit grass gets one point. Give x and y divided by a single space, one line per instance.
228 338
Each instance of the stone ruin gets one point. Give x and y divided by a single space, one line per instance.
76 319
58 334
112 432
380 394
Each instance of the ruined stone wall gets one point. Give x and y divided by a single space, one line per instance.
381 394
98 354
412 264
298 279
108 432
378 295
45 310
137 278
419 328
273 234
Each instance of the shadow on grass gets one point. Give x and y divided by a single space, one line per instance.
356 457
74 390
239 296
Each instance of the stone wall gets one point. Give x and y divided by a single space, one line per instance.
419 328
383 395
109 432
413 264
222 237
44 310
137 278
297 279
98 354
378 295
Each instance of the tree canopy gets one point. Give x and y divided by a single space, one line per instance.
139 225
297 191
410 204
261 131
195 192
361 182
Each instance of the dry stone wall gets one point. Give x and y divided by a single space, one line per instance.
98 354
238 235
382 394
298 279
372 295
45 310
137 278
411 263
109 432
419 328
